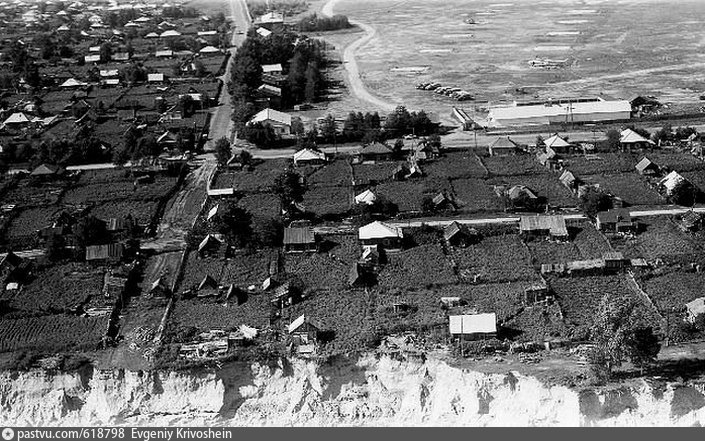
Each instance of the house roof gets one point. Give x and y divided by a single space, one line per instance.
309 155
366 197
503 142
473 324
451 230
617 215
46 170
270 17
164 53
556 141
269 68
558 110
375 148
272 115
170 33
17 118
629 136
268 89
644 164
379 230
264 32
567 177
691 218
72 82
155 77
102 252
152 35
672 180
518 190
300 235
209 50
207 282
555 224
697 306
300 321
213 212
209 240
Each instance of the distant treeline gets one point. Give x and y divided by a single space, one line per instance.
314 23
286 7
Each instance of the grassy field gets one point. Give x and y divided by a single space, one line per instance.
418 41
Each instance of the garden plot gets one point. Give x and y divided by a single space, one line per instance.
421 266
52 333
606 163
630 187
408 195
495 259
546 186
335 174
456 165
366 174
196 268
248 269
513 165
328 200
475 195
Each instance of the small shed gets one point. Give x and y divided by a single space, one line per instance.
458 236
614 261
367 197
210 245
569 180
473 326
300 240
695 308
304 330
537 293
112 252
647 167
47 170
159 288
208 286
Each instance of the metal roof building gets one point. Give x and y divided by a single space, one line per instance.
540 114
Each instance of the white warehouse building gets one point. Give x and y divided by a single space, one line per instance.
559 112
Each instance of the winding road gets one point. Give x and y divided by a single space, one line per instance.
355 84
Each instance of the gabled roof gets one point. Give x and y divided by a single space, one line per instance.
555 224
170 33
46 170
616 215
451 230
296 324
270 17
17 118
300 235
72 82
213 212
672 180
272 115
644 164
209 50
517 190
366 197
309 155
696 307
379 230
376 148
209 240
473 324
556 141
503 142
567 178
629 136
152 35
208 282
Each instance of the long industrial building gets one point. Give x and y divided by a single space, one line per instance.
557 112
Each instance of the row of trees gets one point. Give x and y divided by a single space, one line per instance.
304 81
314 23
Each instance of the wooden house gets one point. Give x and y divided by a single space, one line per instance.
381 234
695 308
304 330
309 157
473 326
537 293
300 240
503 146
212 245
112 252
647 167
458 236
376 152
617 220
543 226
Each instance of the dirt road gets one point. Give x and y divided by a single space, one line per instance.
221 123
354 80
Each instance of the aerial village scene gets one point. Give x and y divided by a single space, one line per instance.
188 185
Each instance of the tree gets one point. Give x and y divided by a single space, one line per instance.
539 141
398 148
235 223
55 247
271 232
684 193
612 142
90 231
328 128
289 187
427 205
312 79
664 135
617 336
222 151
593 201
261 134
106 51
245 157
434 141
642 346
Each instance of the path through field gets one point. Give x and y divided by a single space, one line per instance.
357 87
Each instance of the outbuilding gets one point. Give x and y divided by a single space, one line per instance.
473 326
381 234
300 240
